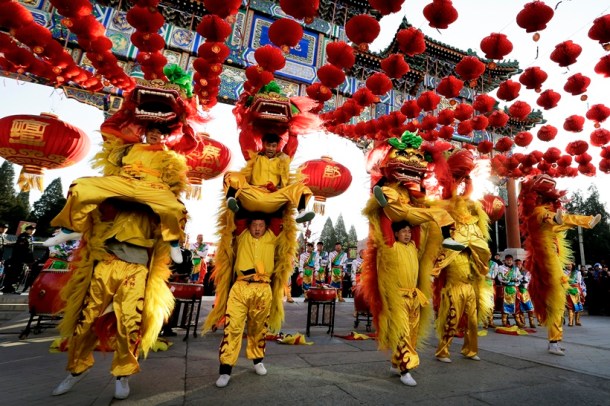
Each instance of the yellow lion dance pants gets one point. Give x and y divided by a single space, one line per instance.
249 302
405 356
121 285
457 299
86 194
259 199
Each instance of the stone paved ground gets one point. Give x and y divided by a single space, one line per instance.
332 371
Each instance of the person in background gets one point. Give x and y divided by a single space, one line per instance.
3 242
309 261
574 295
523 297
336 267
509 276
199 250
357 269
320 273
23 253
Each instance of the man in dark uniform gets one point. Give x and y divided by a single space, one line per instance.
23 253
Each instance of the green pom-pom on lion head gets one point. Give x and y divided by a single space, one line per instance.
407 140
176 75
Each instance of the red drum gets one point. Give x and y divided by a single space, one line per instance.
44 298
322 294
186 291
360 302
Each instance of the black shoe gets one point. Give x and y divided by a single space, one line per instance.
169 333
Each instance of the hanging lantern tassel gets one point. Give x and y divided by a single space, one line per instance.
319 205
193 188
31 177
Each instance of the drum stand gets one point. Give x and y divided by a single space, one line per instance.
187 307
44 321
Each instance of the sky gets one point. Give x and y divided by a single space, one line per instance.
477 19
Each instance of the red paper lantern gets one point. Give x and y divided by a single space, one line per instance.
340 54
485 147
326 178
534 17
410 108
362 30
285 33
523 138
364 97
547 133
533 78
603 66
498 119
552 155
379 84
504 144
566 53
395 66
440 13
479 123
463 111
331 76
465 127
449 86
548 99
213 28
577 84
209 159
470 68
386 7
520 110
494 206
222 8
411 41
446 117
577 147
598 113
428 100
38 143
600 30
508 90
496 46
600 137
484 103
574 123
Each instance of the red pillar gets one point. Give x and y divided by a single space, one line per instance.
513 237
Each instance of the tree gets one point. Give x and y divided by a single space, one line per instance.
340 231
7 190
19 210
327 236
352 236
596 242
47 207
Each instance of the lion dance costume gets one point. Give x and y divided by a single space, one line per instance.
543 224
118 297
461 275
250 281
396 278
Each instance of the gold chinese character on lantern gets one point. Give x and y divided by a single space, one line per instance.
28 132
210 154
331 171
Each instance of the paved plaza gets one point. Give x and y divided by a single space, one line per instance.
332 371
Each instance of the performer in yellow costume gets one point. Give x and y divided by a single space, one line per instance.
147 173
117 298
264 185
400 194
544 223
257 286
462 275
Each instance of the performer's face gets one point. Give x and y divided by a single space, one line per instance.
403 235
199 238
155 136
257 228
309 248
270 149
338 247
508 261
319 247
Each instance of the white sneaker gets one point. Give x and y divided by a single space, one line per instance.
446 360
121 388
559 216
595 220
395 371
68 383
260 369
555 349
408 380
223 380
304 216
61 237
453 245
474 358
176 254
